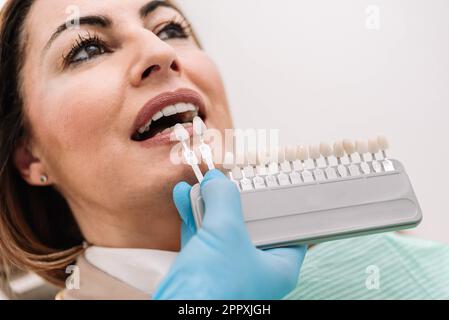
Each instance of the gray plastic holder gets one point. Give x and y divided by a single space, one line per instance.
314 212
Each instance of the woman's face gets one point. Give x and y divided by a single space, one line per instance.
83 91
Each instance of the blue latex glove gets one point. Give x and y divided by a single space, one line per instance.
219 261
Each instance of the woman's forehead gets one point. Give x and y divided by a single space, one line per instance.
46 16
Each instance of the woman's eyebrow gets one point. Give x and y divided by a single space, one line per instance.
103 21
100 21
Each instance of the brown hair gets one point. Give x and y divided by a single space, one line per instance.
37 229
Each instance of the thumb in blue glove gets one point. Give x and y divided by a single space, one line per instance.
219 261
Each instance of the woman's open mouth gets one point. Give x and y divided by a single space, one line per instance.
159 116
164 121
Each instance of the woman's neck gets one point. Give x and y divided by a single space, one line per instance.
161 230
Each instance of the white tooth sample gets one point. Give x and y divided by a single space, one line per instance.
280 154
181 107
228 161
181 133
251 158
349 147
383 143
290 153
240 159
287 156
199 127
169 111
373 146
384 146
262 158
361 146
262 161
157 116
339 150
314 152
325 149
302 153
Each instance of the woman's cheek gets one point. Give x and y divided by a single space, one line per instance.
203 72
80 114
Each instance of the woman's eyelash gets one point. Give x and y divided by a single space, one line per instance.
82 42
176 24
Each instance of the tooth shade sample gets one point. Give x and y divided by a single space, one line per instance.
181 133
348 145
302 153
339 151
262 158
281 154
251 158
373 146
325 149
361 146
240 159
314 152
228 161
290 153
383 143
198 126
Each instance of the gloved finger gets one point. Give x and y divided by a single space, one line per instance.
181 198
186 234
221 200
211 175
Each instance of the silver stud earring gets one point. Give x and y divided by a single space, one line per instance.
43 178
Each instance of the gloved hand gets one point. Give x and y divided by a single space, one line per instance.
219 261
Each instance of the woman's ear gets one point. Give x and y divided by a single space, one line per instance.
30 168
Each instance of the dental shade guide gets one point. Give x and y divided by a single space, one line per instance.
286 202
199 128
189 155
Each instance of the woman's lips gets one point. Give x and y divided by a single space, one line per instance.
163 100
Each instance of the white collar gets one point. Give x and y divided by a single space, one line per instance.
142 269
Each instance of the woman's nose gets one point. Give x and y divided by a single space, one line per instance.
156 60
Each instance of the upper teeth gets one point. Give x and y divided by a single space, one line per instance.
168 111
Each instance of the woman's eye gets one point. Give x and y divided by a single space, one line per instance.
85 49
87 52
173 30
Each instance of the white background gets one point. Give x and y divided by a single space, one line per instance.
314 69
